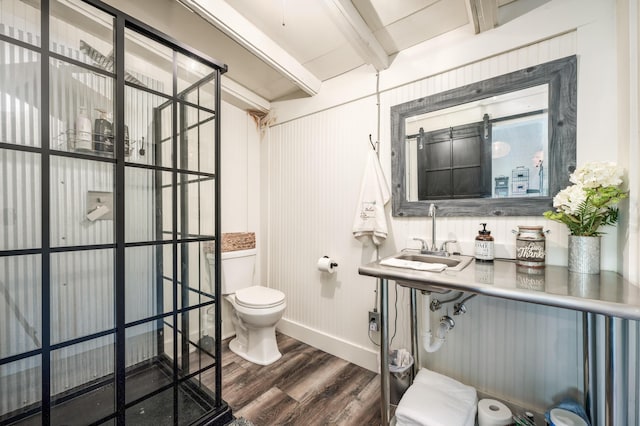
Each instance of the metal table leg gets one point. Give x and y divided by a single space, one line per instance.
616 329
385 396
590 366
415 346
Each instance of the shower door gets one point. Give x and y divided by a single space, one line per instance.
109 148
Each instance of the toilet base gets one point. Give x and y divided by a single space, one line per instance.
255 329
264 350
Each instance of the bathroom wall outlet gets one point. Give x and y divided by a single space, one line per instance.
374 321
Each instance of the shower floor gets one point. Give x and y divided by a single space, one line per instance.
194 402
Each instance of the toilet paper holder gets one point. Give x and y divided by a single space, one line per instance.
326 264
332 264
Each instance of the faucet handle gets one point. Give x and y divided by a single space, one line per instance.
444 247
424 243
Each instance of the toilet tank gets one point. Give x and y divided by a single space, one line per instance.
237 270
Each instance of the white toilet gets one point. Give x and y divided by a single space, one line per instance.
256 309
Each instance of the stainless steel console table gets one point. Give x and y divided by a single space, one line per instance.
607 294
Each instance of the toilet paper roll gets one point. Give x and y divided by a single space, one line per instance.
493 413
326 264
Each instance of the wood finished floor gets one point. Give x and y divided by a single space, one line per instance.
305 387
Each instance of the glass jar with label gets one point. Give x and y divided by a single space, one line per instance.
530 246
484 245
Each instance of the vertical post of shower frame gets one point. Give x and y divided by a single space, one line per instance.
176 236
45 159
119 228
159 249
183 233
218 242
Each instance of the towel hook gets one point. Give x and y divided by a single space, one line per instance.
373 145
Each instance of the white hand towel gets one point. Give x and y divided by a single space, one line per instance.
374 194
412 264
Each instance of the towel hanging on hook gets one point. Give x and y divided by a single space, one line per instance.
370 219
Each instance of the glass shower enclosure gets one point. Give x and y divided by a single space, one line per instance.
109 212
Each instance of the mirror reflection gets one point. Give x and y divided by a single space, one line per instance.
493 147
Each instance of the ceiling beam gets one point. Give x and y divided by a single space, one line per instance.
229 21
241 97
484 14
355 29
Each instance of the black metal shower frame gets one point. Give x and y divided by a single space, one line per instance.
221 412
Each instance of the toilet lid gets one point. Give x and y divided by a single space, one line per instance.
259 297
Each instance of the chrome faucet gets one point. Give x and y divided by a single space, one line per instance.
433 250
432 213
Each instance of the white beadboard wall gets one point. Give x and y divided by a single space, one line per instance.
524 353
520 352
241 195
314 168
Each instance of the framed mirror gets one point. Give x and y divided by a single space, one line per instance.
499 147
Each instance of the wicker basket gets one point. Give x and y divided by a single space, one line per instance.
232 241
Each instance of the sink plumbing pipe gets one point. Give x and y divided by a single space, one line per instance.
446 324
459 308
437 304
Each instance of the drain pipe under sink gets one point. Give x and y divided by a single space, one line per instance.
446 324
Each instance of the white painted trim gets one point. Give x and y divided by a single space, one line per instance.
224 17
629 92
485 15
355 354
241 97
357 32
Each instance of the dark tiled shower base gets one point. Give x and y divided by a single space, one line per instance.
95 405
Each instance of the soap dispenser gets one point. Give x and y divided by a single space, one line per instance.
83 132
103 137
484 245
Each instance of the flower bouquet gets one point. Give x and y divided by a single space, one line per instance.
591 202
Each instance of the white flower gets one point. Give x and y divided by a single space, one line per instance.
569 199
590 203
597 174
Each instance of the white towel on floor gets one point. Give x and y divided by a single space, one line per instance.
437 400
370 219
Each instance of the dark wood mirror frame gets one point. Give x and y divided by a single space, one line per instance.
561 76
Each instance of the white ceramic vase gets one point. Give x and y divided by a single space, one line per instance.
584 254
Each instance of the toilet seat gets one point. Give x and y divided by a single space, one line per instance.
259 297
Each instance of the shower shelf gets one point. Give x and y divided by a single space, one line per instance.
66 141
